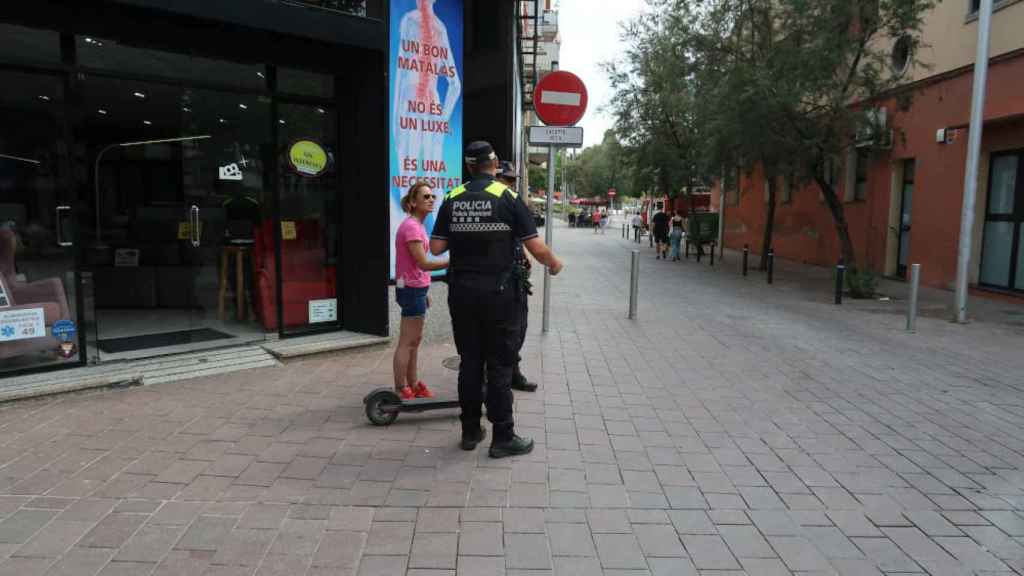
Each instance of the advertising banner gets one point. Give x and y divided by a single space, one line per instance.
426 101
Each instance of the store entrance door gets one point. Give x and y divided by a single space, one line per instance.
38 296
1002 251
178 196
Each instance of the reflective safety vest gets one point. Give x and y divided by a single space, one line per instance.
495 188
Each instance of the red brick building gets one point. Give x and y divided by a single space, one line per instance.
903 204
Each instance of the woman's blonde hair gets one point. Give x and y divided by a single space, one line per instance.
410 195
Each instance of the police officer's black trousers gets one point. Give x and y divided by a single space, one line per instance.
524 313
486 323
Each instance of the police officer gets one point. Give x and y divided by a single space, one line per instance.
508 177
479 224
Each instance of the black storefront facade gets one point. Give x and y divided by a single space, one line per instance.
161 158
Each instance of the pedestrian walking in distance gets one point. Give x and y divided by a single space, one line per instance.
676 235
412 281
660 230
478 225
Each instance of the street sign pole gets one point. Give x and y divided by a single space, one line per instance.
548 226
973 152
560 100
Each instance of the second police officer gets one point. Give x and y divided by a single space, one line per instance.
479 225
508 177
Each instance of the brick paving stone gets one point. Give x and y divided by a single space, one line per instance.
434 550
390 538
765 567
971 555
1010 522
243 547
746 542
53 540
206 533
522 520
77 561
343 550
264 516
298 538
481 539
527 552
709 552
149 544
658 540
113 531
571 540
799 554
23 524
619 551
671 567
481 566
886 555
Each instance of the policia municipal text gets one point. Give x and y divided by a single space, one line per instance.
479 224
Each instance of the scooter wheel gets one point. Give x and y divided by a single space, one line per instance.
382 407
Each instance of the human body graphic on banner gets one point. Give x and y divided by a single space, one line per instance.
426 113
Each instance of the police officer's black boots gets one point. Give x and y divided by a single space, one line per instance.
517 446
469 442
519 382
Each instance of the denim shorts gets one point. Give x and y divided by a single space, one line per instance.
413 301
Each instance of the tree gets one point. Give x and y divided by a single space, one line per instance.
790 83
599 168
654 100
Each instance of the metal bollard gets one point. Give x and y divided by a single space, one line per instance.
746 256
712 255
915 280
634 282
840 273
771 265
699 251
623 230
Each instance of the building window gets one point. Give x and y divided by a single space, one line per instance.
860 185
900 57
974 5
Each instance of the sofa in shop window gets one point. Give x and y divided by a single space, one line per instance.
46 293
307 275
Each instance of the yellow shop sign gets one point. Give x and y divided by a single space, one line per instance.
307 158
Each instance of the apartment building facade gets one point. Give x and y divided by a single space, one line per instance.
903 204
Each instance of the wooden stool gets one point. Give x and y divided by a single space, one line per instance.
240 253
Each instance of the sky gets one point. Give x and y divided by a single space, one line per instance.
590 36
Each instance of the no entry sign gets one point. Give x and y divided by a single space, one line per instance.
560 99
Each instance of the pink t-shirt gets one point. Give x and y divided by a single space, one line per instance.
410 230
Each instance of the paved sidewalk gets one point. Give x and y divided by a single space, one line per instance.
732 429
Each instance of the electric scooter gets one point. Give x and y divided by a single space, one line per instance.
383 405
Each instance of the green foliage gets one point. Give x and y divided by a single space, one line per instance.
709 85
861 283
600 167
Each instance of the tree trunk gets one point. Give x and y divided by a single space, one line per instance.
839 219
769 225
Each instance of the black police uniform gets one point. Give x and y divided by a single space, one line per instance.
482 221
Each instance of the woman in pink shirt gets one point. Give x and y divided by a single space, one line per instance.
412 280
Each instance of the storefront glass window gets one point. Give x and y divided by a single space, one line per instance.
19 45
308 188
293 81
181 186
38 311
106 54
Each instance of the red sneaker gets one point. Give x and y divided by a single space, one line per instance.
422 391
406 393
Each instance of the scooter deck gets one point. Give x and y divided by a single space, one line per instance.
424 404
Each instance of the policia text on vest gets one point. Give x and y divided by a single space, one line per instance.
479 224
